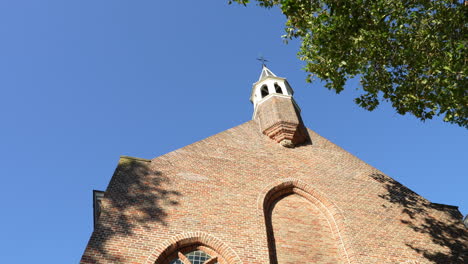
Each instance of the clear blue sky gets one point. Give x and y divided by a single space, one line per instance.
83 82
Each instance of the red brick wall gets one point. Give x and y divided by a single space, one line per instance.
215 189
301 233
279 119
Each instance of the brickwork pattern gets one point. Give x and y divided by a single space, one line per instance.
287 186
279 120
168 250
301 233
216 188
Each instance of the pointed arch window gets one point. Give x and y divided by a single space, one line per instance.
264 91
278 89
309 221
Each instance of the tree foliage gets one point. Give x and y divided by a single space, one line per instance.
411 53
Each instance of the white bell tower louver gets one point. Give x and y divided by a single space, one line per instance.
268 86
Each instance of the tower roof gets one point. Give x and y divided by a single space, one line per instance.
266 73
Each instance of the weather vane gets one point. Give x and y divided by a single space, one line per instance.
263 60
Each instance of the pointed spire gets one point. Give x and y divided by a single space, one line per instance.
265 73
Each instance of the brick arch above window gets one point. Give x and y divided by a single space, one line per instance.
179 245
195 254
283 187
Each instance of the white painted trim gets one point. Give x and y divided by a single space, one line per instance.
255 84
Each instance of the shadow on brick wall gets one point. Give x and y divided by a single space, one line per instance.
446 231
134 200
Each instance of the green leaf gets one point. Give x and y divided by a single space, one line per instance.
410 53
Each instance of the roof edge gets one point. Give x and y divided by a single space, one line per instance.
444 205
135 158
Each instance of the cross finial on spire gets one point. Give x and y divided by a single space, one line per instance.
263 60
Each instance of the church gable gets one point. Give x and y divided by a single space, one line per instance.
257 199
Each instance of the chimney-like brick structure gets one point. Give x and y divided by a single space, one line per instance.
280 120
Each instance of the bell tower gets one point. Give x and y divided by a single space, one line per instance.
276 111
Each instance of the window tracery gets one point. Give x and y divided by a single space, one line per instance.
194 248
196 255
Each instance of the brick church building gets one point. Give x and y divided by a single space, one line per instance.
267 191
